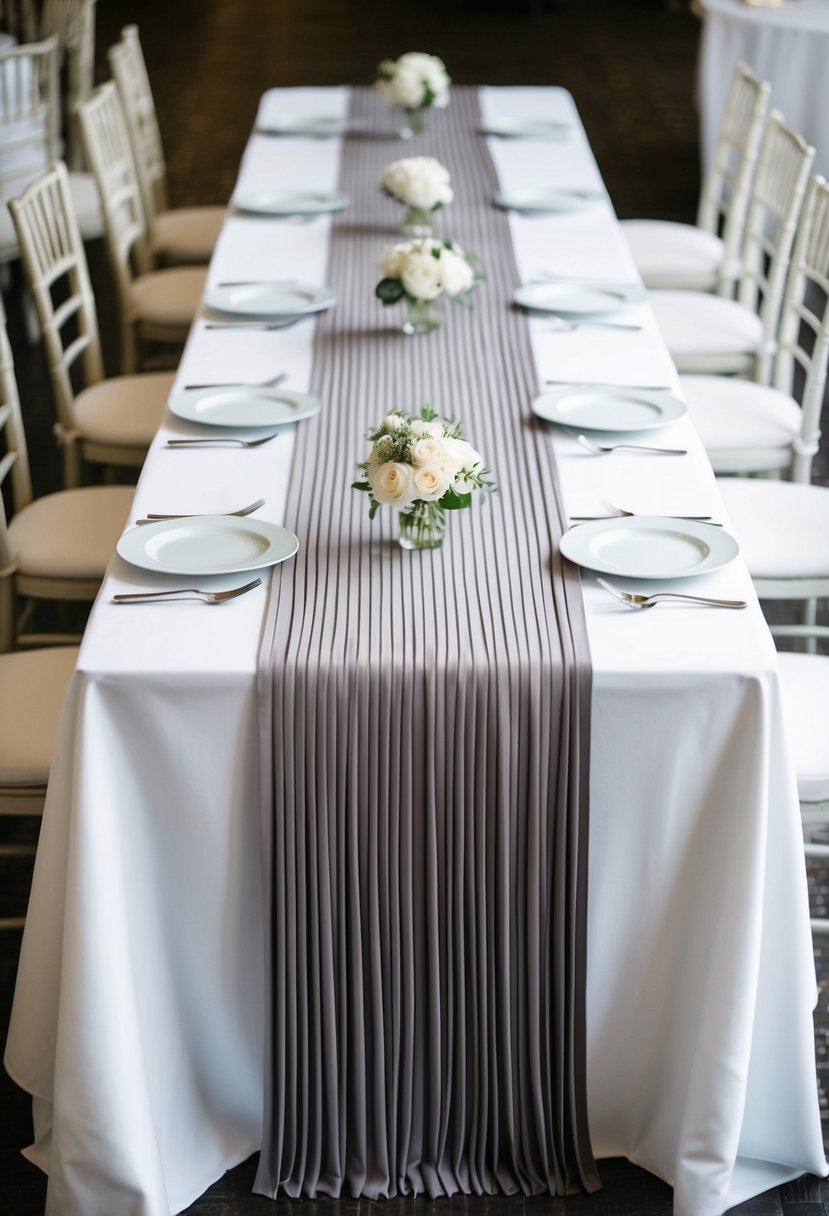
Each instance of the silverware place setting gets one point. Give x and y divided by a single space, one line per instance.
636 600
219 441
271 382
614 512
597 449
185 593
152 518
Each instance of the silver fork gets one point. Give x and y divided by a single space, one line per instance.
561 323
248 510
621 513
254 324
209 597
598 450
245 443
271 382
634 600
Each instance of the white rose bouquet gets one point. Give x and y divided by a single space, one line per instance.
422 465
414 82
419 272
422 184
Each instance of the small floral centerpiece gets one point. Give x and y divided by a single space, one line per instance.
422 183
423 466
414 82
421 271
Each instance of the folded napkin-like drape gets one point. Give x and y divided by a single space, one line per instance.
425 751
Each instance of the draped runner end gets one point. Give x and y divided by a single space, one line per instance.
425 754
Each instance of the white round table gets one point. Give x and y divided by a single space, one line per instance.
787 45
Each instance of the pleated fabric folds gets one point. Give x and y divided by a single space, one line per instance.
425 752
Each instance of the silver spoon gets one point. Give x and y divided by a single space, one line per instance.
598 450
243 511
272 382
244 443
635 600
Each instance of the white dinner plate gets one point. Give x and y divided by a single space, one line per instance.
649 546
317 125
290 202
548 199
526 128
608 409
208 544
238 407
277 299
578 299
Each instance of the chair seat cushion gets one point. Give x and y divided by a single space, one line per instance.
706 333
187 234
782 527
733 415
70 534
805 683
124 409
670 255
87 203
33 687
168 297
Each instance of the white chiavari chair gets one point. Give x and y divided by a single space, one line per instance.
53 548
753 428
102 421
181 234
706 256
157 306
72 22
709 334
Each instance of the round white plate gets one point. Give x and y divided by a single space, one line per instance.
579 299
608 409
549 199
209 544
649 546
277 299
526 128
238 407
318 125
290 202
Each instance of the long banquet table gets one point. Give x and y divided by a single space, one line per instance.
138 1022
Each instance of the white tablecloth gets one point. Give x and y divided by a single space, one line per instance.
788 46
138 1016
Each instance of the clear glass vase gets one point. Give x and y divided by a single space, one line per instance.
418 222
422 526
411 123
422 317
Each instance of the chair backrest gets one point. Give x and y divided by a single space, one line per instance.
14 469
109 155
57 275
129 70
72 22
29 113
723 203
803 341
774 209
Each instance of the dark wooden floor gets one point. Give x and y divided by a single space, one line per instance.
630 66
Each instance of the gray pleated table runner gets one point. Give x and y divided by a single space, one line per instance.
425 750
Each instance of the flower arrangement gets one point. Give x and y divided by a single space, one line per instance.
420 271
414 82
422 184
423 465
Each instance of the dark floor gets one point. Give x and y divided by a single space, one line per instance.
630 66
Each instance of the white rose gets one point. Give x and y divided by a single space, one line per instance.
457 275
421 276
430 483
392 423
457 454
418 181
393 261
431 430
392 484
407 86
426 452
